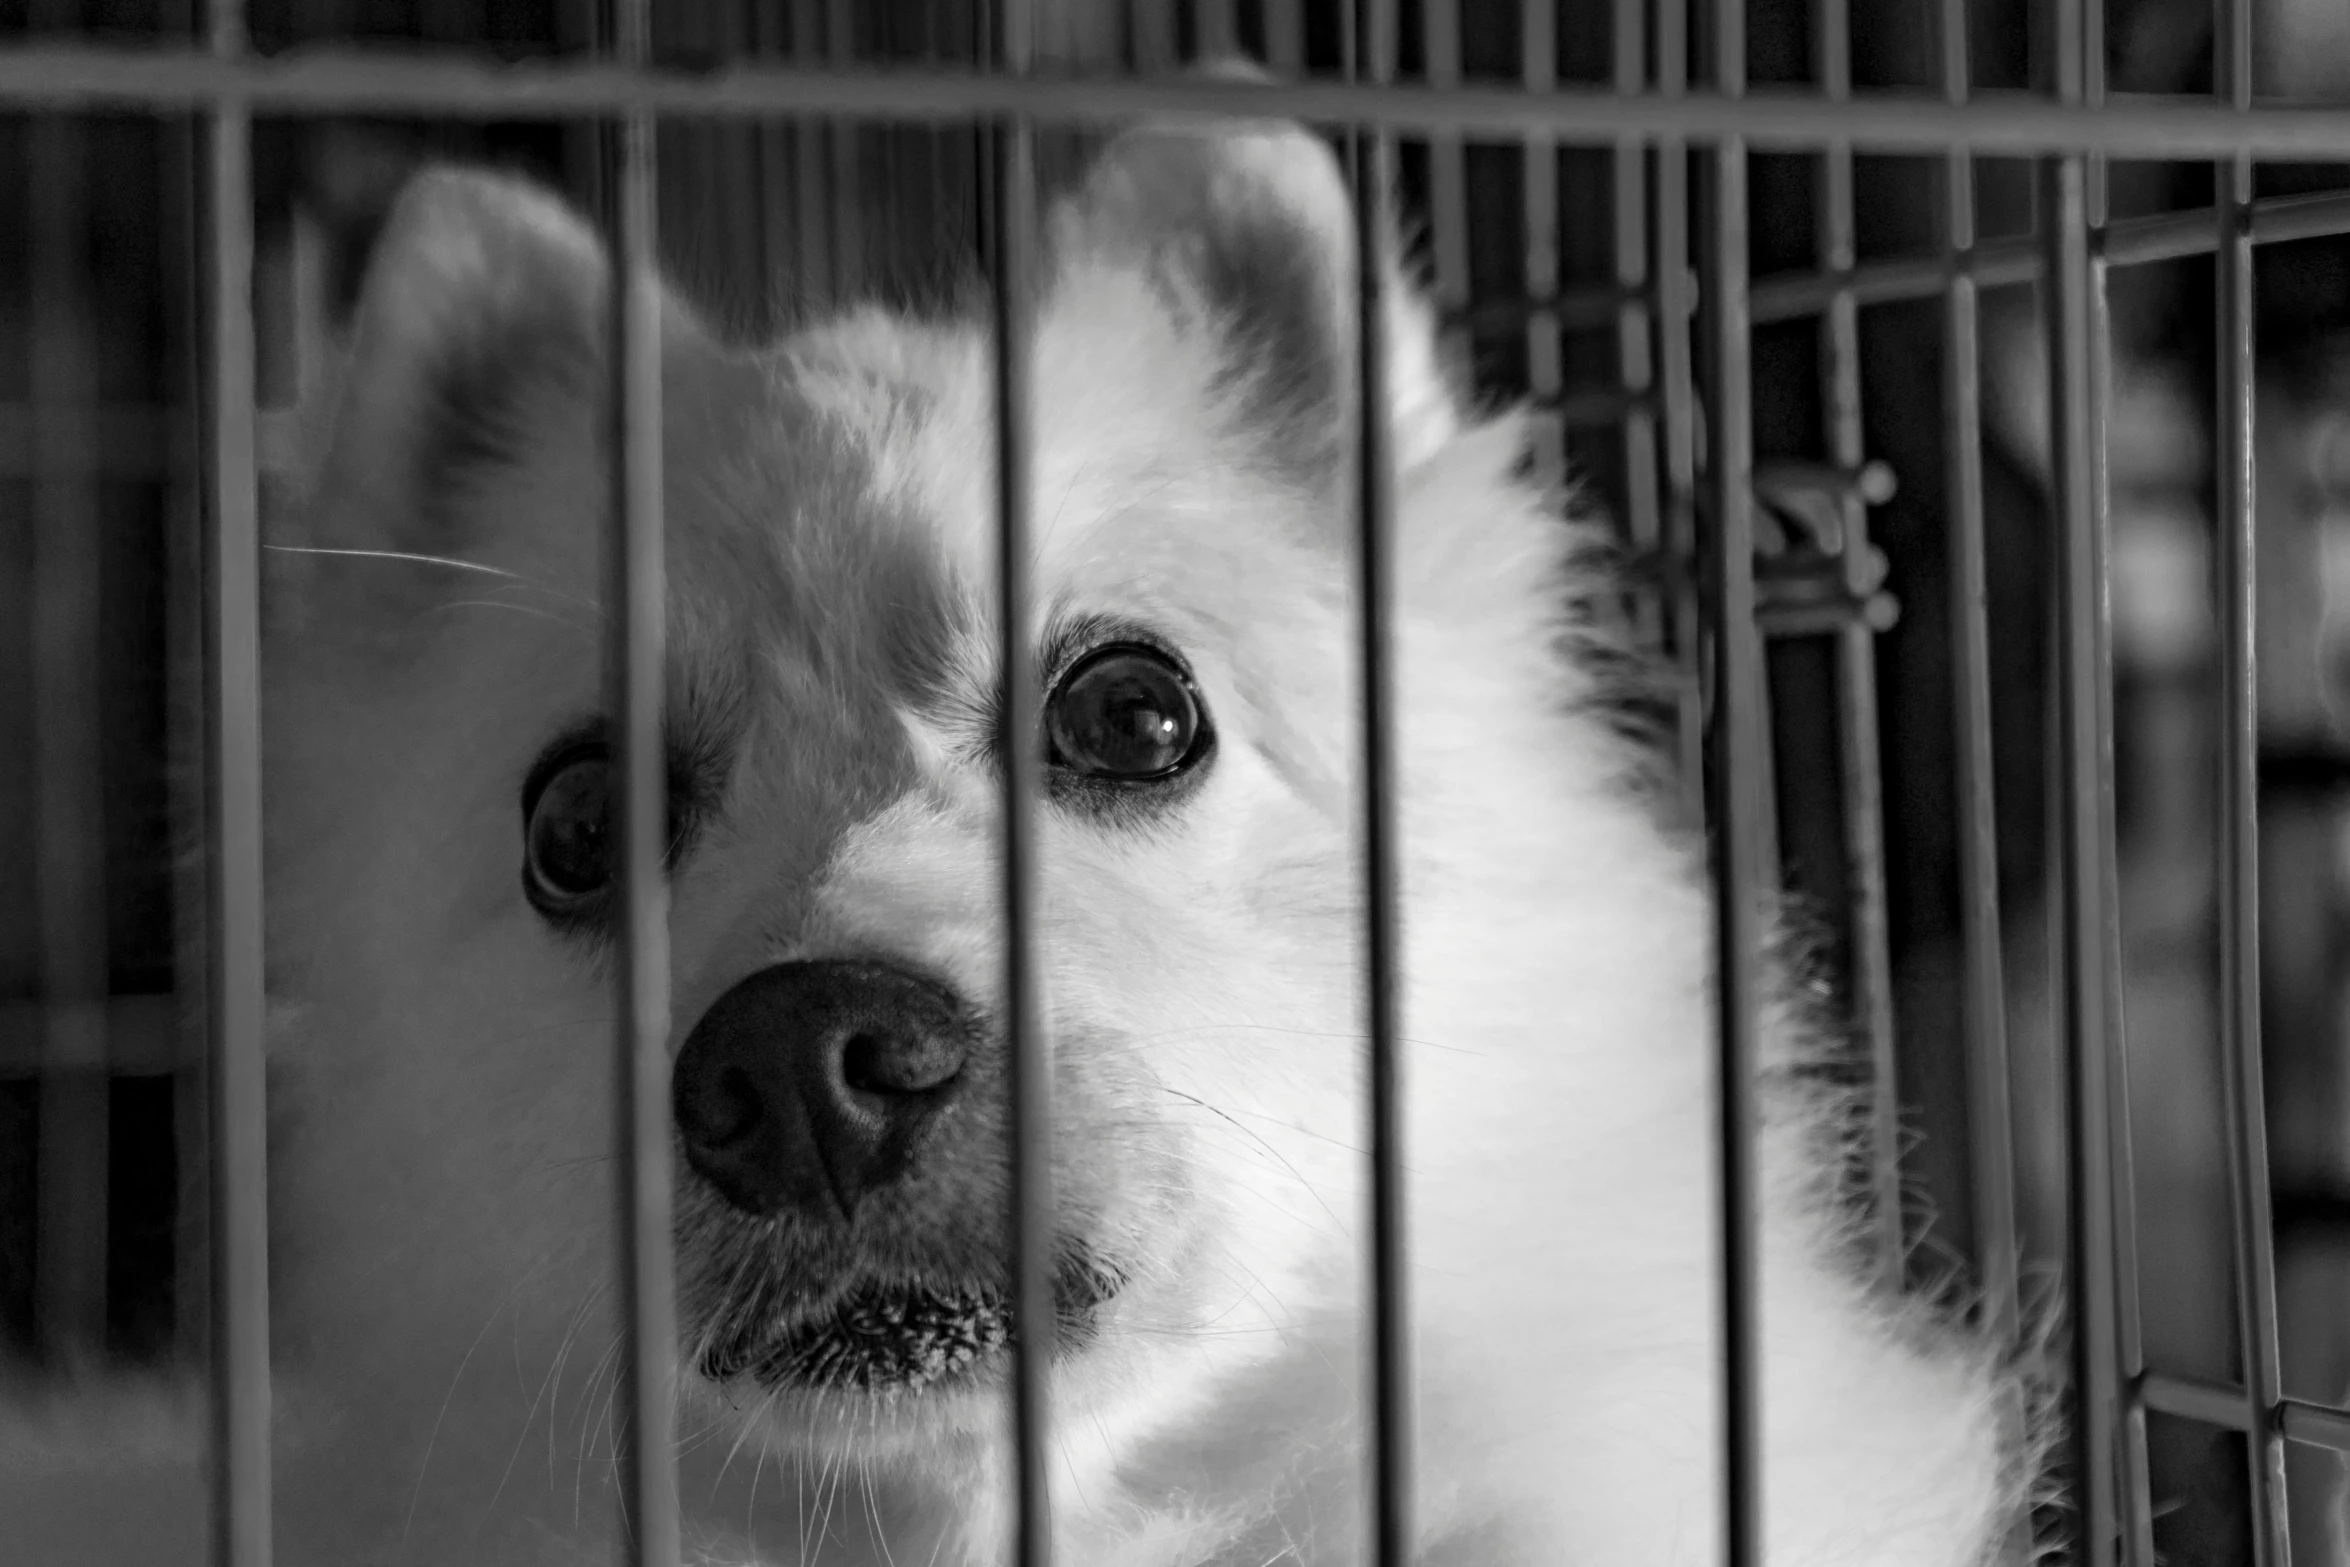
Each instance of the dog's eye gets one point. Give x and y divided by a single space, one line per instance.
1127 714
567 832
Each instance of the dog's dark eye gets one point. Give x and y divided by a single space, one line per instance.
567 832
1127 714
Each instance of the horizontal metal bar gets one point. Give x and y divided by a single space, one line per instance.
2314 1425
142 441
1597 408
1586 309
2169 236
2223 1405
2274 220
2210 1403
1793 295
457 85
1874 612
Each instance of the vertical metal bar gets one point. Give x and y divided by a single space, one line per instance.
1012 235
1151 36
1734 789
331 20
69 823
774 197
1285 35
736 172
1984 998
1856 660
2137 1495
2243 1091
1635 367
1675 313
1448 193
814 283
582 26
841 217
1546 375
240 1176
1215 29
2084 816
186 670
2132 1472
1372 155
449 21
637 666
939 152
884 167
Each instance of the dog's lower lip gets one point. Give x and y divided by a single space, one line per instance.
886 1335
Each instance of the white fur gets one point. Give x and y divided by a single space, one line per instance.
442 1071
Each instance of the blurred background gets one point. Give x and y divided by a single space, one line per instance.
1556 266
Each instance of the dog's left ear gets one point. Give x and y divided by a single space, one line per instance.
1253 225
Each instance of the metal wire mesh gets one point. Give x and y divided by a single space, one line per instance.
1680 316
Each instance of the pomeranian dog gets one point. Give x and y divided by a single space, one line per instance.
442 929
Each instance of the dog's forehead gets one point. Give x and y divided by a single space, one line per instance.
849 485
1138 502
794 557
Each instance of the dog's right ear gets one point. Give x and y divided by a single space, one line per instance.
480 319
1253 222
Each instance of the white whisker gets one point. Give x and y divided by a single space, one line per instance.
423 560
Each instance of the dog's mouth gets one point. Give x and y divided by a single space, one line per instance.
899 1336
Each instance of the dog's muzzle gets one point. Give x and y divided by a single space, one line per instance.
846 1112
811 1086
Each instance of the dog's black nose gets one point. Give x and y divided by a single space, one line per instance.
809 1085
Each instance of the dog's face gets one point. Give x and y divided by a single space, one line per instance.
445 928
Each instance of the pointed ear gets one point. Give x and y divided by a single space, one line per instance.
480 317
1251 225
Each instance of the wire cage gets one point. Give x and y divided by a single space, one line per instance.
1984 505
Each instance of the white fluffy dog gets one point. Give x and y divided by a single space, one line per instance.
441 929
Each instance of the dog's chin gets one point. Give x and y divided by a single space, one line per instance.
888 1338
